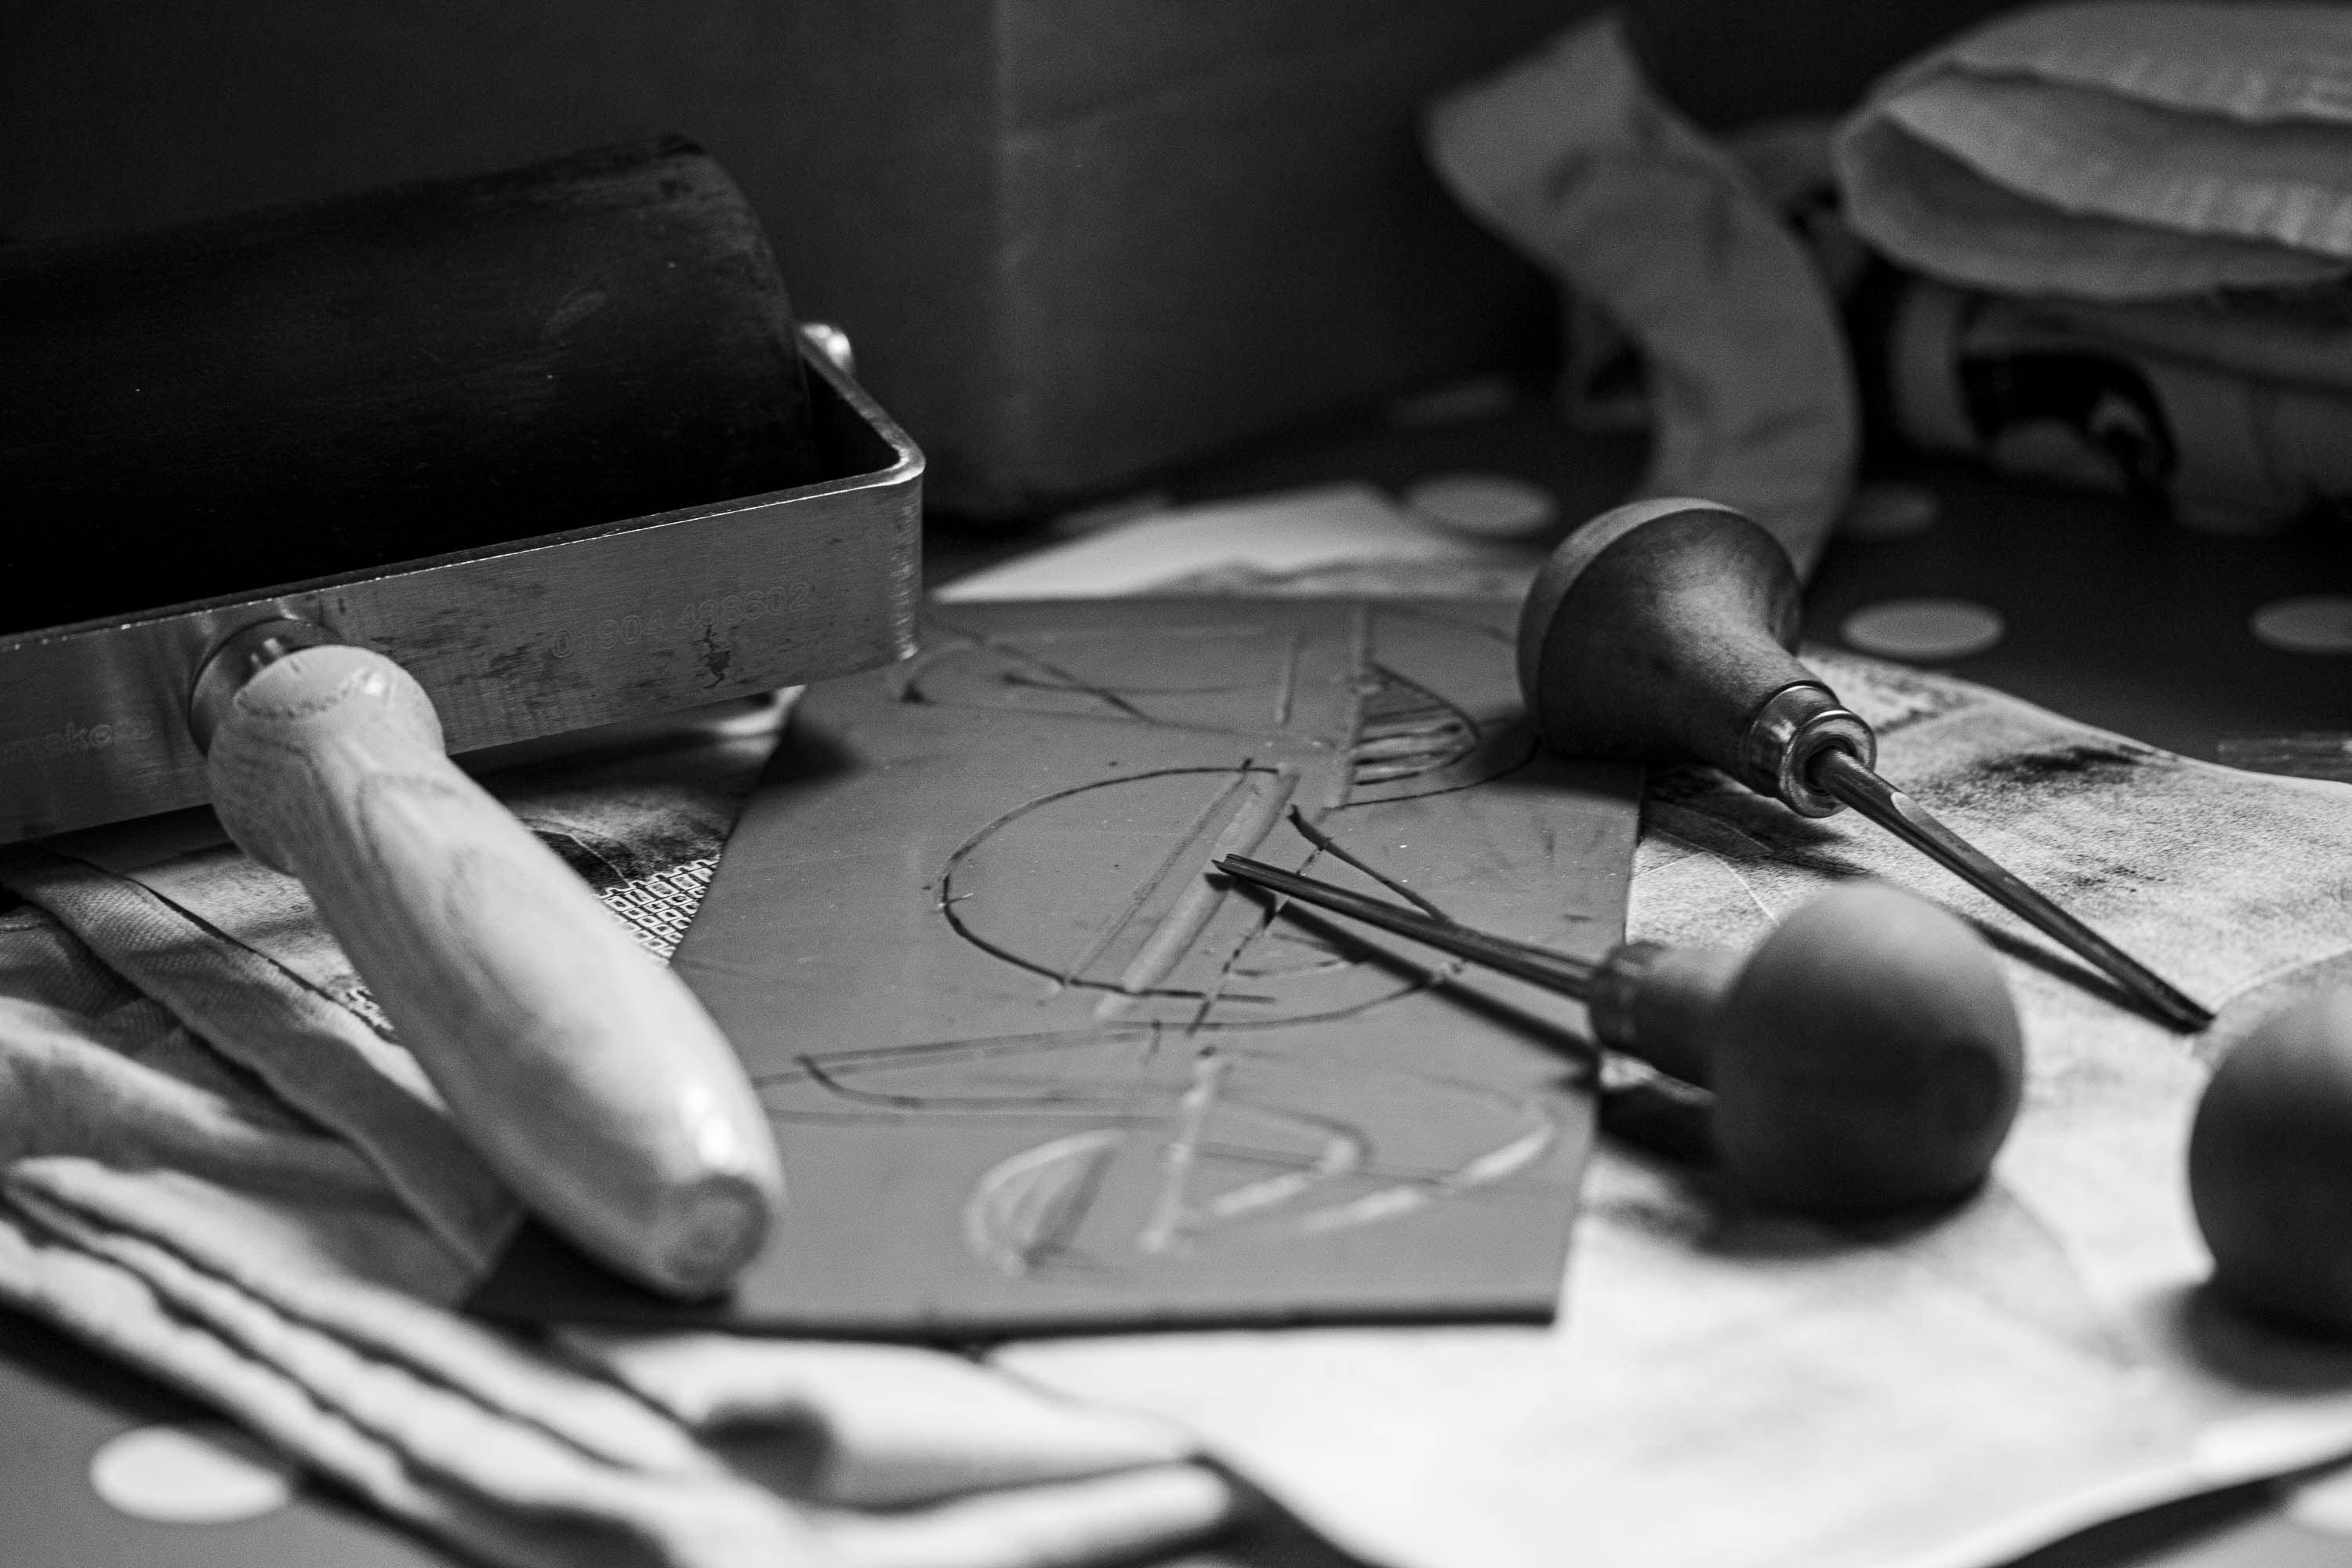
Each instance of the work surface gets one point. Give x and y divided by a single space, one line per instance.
2122 622
1936 1392
1034 1073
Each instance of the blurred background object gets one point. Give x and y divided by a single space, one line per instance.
1666 246
1077 241
2125 232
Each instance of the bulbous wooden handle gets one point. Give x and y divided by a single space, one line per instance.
586 1074
1868 1059
2270 1167
1864 1058
1662 630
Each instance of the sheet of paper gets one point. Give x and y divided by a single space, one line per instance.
1033 1067
1752 1392
1267 538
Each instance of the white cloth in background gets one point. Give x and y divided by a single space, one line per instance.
1569 155
2116 151
278 1225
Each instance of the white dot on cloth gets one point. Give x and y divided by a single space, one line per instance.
1887 509
196 1473
2324 1505
1484 506
1923 628
2313 623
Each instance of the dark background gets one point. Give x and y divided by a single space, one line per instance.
1076 241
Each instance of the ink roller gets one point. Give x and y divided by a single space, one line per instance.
308 498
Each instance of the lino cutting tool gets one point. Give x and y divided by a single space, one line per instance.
1664 629
1865 1058
308 498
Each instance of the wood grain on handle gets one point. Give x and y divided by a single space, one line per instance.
584 1071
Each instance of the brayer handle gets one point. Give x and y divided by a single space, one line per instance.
586 1074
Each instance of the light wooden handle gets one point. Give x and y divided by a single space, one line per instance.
586 1074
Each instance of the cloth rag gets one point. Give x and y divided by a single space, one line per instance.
2119 150
2135 229
218 1166
1570 156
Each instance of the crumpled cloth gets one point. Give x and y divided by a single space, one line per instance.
1747 1390
2123 149
216 1166
2227 414
1569 155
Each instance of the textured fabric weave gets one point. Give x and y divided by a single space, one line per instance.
2124 151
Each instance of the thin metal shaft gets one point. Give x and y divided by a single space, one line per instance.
1842 774
1540 965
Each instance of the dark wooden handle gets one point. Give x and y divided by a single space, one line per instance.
585 1073
2268 1179
1660 629
1870 1058
1665 1005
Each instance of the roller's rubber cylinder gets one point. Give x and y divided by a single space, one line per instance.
1660 630
2270 1168
584 1073
243 402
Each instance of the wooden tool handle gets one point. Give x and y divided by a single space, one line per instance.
2268 1178
584 1071
1864 1058
1868 1059
1662 629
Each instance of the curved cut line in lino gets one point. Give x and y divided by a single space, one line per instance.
1485 1171
1183 925
1022 1207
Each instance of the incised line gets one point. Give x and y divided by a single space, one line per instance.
1183 1152
1183 925
1158 876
